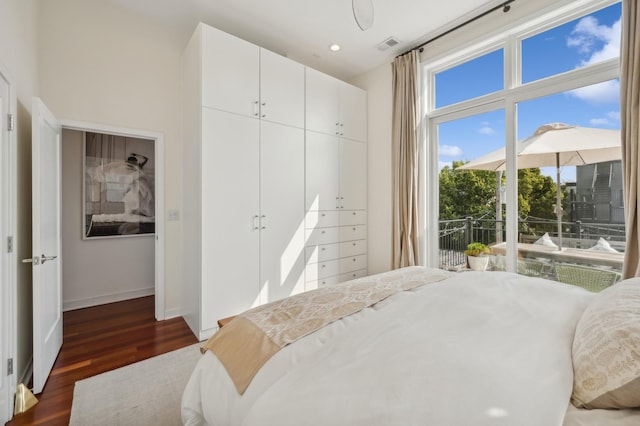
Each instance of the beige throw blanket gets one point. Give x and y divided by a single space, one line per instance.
250 339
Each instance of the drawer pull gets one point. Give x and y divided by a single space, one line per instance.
323 232
354 213
354 244
354 259
324 266
323 215
323 249
354 229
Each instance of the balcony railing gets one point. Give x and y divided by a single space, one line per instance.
455 235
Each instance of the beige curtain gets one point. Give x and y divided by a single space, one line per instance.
405 147
630 131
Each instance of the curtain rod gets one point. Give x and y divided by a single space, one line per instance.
504 6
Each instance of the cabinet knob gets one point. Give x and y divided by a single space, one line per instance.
324 266
354 244
322 232
354 228
354 259
354 213
323 215
322 249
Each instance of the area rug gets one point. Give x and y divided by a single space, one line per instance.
145 393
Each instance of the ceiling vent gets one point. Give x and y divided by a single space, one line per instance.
390 42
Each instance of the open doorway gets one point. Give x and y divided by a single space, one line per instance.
112 215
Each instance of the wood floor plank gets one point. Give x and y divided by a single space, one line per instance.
100 339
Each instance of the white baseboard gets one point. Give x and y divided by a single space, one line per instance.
69 305
25 377
172 313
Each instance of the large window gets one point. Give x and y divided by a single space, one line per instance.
509 145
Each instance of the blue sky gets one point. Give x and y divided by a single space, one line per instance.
584 41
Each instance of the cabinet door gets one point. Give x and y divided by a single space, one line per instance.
230 73
322 102
281 89
353 112
230 200
282 211
353 175
322 170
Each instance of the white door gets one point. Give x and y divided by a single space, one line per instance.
281 89
353 175
230 73
282 211
46 261
353 112
322 102
230 215
5 407
322 168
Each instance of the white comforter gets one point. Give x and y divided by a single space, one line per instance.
489 348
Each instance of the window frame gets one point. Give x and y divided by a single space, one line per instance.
510 39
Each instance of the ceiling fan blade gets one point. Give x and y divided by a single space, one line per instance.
363 13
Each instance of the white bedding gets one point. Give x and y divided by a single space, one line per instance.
489 348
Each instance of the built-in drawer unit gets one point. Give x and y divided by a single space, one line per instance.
322 219
321 253
352 275
319 236
316 271
352 263
354 232
352 248
353 217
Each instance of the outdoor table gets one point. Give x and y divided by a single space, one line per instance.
566 254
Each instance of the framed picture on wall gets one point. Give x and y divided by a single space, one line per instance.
119 186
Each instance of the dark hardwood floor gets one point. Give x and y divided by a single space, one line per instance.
100 339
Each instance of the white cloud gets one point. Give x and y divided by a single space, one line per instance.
605 92
612 118
598 42
486 130
600 122
450 151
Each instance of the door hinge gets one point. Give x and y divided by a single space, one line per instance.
9 366
9 244
11 122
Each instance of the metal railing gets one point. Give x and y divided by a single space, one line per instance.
456 234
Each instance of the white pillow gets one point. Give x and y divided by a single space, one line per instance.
545 240
606 349
603 245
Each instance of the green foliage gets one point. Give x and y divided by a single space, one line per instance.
477 249
473 193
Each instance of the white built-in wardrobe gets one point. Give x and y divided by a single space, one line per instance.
275 178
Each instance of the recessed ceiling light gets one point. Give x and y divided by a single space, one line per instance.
334 47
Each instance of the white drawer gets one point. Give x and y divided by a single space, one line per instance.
315 254
319 236
353 217
352 275
352 248
321 219
317 271
354 232
312 285
353 263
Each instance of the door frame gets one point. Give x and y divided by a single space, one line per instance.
8 281
158 139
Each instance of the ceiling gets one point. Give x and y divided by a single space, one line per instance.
303 29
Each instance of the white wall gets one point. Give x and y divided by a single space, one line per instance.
97 271
100 64
18 55
378 85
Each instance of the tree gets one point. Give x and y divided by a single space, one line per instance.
473 193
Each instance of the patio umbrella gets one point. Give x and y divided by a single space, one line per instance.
556 144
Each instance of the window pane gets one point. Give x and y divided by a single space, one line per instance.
576 44
468 197
591 231
460 83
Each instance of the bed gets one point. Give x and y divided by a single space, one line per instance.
470 348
